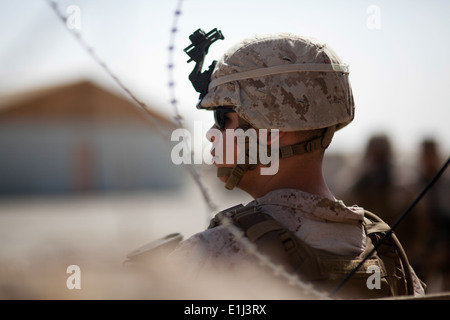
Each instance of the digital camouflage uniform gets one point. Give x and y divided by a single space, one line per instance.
320 222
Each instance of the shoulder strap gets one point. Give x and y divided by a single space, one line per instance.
282 245
269 236
376 229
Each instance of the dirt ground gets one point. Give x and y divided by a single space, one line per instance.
42 236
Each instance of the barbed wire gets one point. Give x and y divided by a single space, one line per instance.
174 102
277 270
90 50
161 130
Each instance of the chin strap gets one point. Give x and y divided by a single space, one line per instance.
235 173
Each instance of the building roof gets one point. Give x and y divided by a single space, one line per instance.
82 100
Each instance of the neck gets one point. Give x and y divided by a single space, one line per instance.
299 172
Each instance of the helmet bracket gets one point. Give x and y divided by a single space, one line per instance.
197 50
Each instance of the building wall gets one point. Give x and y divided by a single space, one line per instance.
39 157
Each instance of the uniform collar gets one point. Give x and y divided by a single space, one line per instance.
311 204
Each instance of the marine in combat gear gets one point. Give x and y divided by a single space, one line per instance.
299 86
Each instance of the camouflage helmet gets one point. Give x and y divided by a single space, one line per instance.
282 81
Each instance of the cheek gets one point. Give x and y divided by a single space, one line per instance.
225 150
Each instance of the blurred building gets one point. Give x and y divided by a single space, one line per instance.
81 137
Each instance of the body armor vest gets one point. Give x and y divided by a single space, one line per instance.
325 270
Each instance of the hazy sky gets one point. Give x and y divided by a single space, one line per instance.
398 52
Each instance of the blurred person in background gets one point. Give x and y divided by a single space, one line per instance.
433 212
377 188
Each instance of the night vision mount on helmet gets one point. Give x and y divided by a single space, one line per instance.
197 50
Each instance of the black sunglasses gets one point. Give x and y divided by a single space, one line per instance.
219 116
